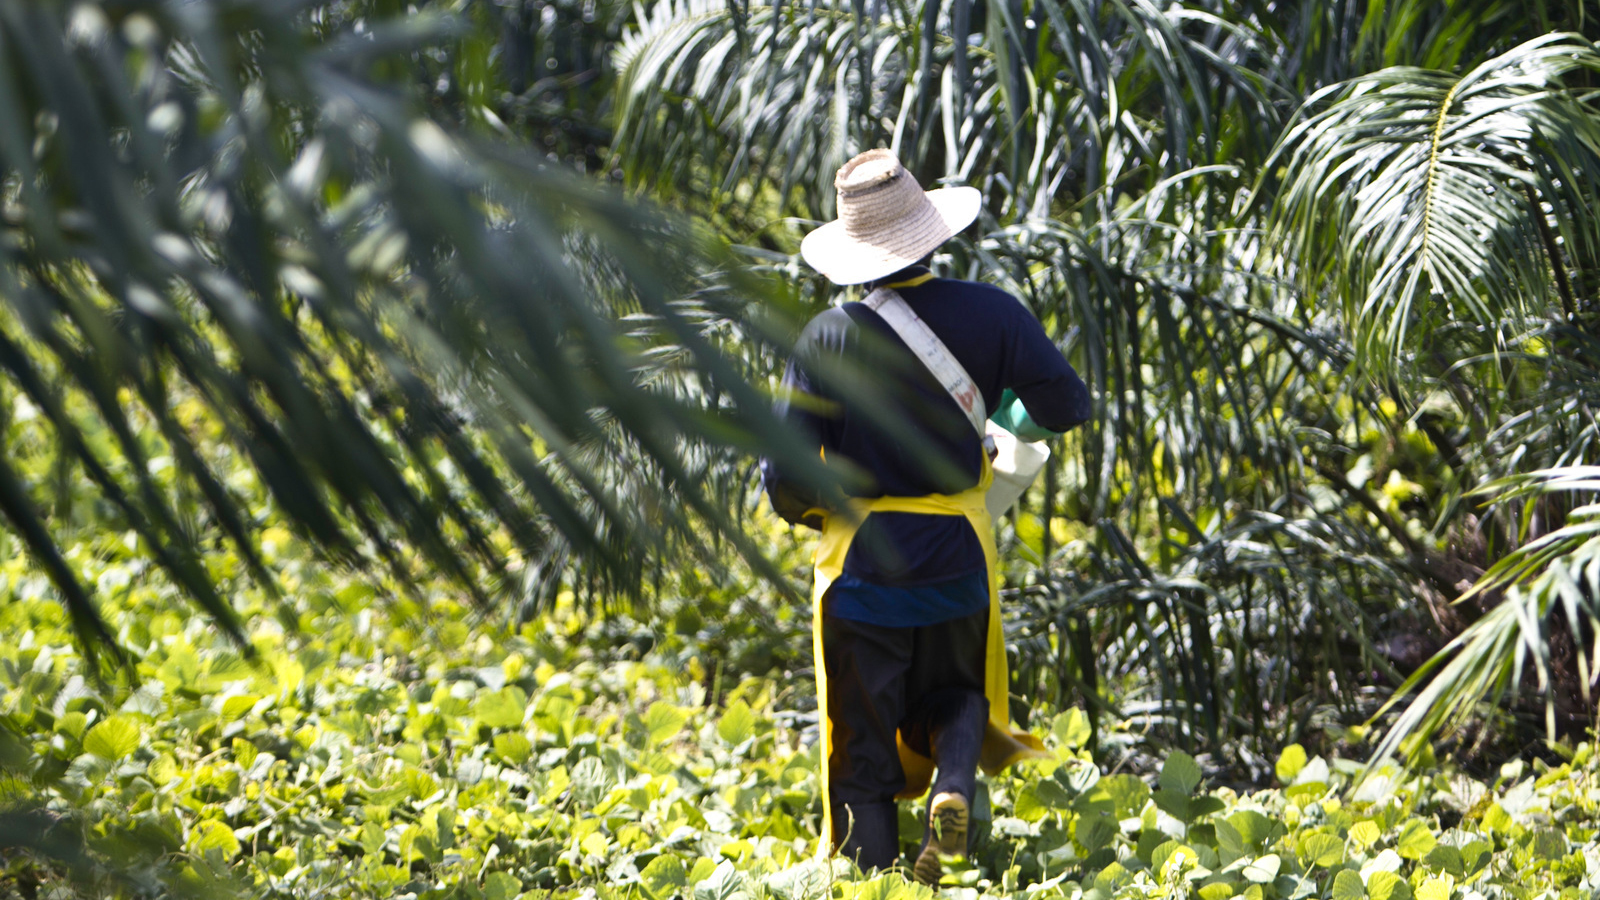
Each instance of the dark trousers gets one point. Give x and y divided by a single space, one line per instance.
925 683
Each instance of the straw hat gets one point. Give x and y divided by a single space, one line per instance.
886 221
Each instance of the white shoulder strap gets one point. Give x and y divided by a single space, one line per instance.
933 353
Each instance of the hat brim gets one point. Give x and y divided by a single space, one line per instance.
849 260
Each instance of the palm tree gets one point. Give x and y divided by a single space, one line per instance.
1460 241
236 234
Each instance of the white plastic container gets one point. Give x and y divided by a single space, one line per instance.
1016 464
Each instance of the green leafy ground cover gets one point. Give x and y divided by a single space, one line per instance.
367 751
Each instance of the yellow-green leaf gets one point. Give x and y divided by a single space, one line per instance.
1416 840
211 835
1434 889
1347 886
1321 850
513 747
1290 762
1365 834
664 721
1072 727
72 724
113 739
238 705
737 723
500 709
1387 886
501 886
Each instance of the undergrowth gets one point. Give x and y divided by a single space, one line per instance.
365 749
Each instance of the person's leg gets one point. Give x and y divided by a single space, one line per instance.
947 715
866 667
955 723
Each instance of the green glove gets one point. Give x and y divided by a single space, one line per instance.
1013 417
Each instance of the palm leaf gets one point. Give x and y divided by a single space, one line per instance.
1415 198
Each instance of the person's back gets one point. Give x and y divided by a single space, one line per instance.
1000 345
907 634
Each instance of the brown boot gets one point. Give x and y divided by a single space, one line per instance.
947 837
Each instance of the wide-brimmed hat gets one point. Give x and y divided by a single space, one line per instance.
886 220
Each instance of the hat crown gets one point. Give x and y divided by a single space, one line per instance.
876 192
886 221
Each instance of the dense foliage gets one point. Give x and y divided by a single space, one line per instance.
425 349
358 753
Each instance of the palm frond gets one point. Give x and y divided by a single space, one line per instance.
1415 198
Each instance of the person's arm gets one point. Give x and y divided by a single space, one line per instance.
1044 395
800 405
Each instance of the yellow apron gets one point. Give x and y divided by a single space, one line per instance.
1002 745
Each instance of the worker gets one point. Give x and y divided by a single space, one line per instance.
910 653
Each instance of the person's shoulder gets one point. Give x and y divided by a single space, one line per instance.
997 301
827 328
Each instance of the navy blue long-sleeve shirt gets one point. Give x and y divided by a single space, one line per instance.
1000 344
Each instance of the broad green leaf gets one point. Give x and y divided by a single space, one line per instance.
162 770
1290 762
1445 858
1495 818
501 886
1164 853
1475 855
1094 832
1416 840
212 835
1072 727
1080 779
1052 794
596 844
500 709
1347 886
1217 890
664 721
1115 876
1387 886
113 738
1321 850
1177 864
513 747
1263 870
1434 889
237 706
72 724
14 752
1173 803
1180 774
704 867
1028 807
663 877
1229 841
1548 844
1365 833
1128 792
1253 827
737 723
